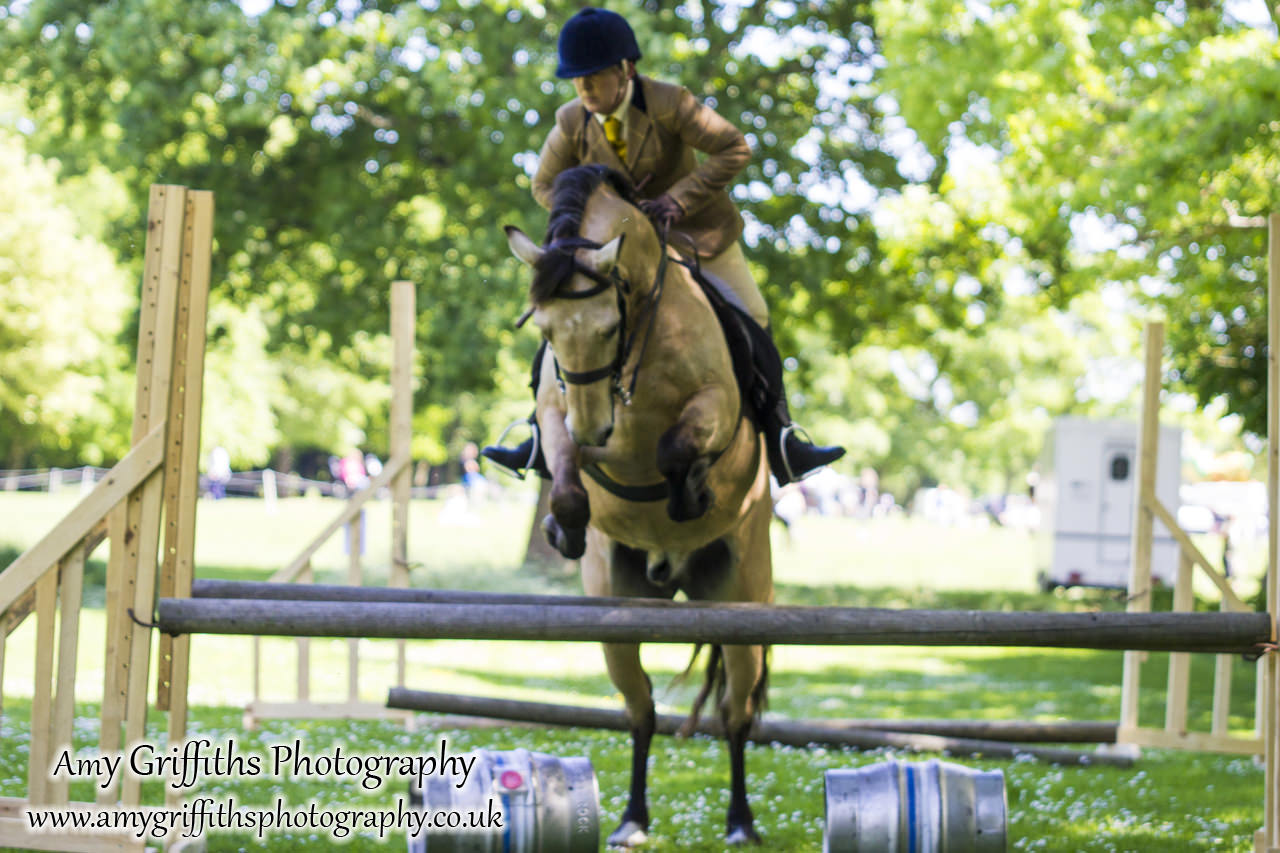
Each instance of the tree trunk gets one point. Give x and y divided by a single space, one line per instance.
538 550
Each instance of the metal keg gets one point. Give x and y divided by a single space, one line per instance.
547 804
928 807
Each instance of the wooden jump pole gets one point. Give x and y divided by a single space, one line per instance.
786 732
741 624
543 713
268 591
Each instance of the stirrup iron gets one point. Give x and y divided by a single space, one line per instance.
536 435
783 435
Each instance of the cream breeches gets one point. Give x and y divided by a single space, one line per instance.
730 266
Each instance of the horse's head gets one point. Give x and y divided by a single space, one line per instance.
583 322
582 288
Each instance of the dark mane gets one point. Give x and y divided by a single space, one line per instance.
569 196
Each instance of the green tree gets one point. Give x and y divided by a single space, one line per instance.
1135 139
62 304
353 143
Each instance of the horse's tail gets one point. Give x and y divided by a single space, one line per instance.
715 679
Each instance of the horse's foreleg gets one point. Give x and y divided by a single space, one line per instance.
744 677
684 451
623 661
608 568
566 527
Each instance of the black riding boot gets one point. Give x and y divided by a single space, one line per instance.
791 454
525 456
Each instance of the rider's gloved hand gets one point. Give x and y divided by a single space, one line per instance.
664 210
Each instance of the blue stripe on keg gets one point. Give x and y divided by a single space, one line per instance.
911 809
506 825
499 761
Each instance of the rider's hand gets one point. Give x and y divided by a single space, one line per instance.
664 210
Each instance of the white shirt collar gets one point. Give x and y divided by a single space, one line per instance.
621 112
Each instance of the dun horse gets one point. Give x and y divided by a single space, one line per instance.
638 393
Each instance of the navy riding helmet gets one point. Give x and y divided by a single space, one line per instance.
592 40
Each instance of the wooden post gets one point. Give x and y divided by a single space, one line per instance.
403 325
1269 838
183 475
1143 519
304 647
257 669
1175 712
1222 693
164 268
71 587
176 654
269 492
354 577
111 714
42 697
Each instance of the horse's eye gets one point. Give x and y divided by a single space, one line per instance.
611 331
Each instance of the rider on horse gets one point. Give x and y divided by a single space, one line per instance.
649 131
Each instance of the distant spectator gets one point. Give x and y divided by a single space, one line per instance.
352 472
472 480
372 465
869 481
1222 527
789 504
219 472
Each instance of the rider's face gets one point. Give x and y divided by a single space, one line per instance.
602 92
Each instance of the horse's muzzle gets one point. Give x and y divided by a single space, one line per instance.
599 439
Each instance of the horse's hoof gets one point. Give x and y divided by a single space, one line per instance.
739 835
691 499
629 834
570 542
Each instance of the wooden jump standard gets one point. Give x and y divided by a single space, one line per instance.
739 624
876 734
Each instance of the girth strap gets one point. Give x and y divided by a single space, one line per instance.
637 494
653 491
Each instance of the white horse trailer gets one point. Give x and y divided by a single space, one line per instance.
1086 492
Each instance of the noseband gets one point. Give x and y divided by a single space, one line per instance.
627 337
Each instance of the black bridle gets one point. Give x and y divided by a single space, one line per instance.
627 337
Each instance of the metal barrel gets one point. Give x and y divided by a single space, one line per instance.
546 804
927 807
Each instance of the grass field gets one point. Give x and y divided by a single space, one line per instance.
1169 801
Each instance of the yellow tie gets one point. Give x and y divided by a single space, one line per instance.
613 132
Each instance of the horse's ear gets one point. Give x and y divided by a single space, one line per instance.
521 246
603 259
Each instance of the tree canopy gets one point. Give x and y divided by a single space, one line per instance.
1138 143
62 305
925 180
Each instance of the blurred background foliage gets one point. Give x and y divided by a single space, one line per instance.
957 211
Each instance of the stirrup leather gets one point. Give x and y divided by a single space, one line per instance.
521 473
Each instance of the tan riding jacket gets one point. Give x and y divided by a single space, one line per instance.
666 124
